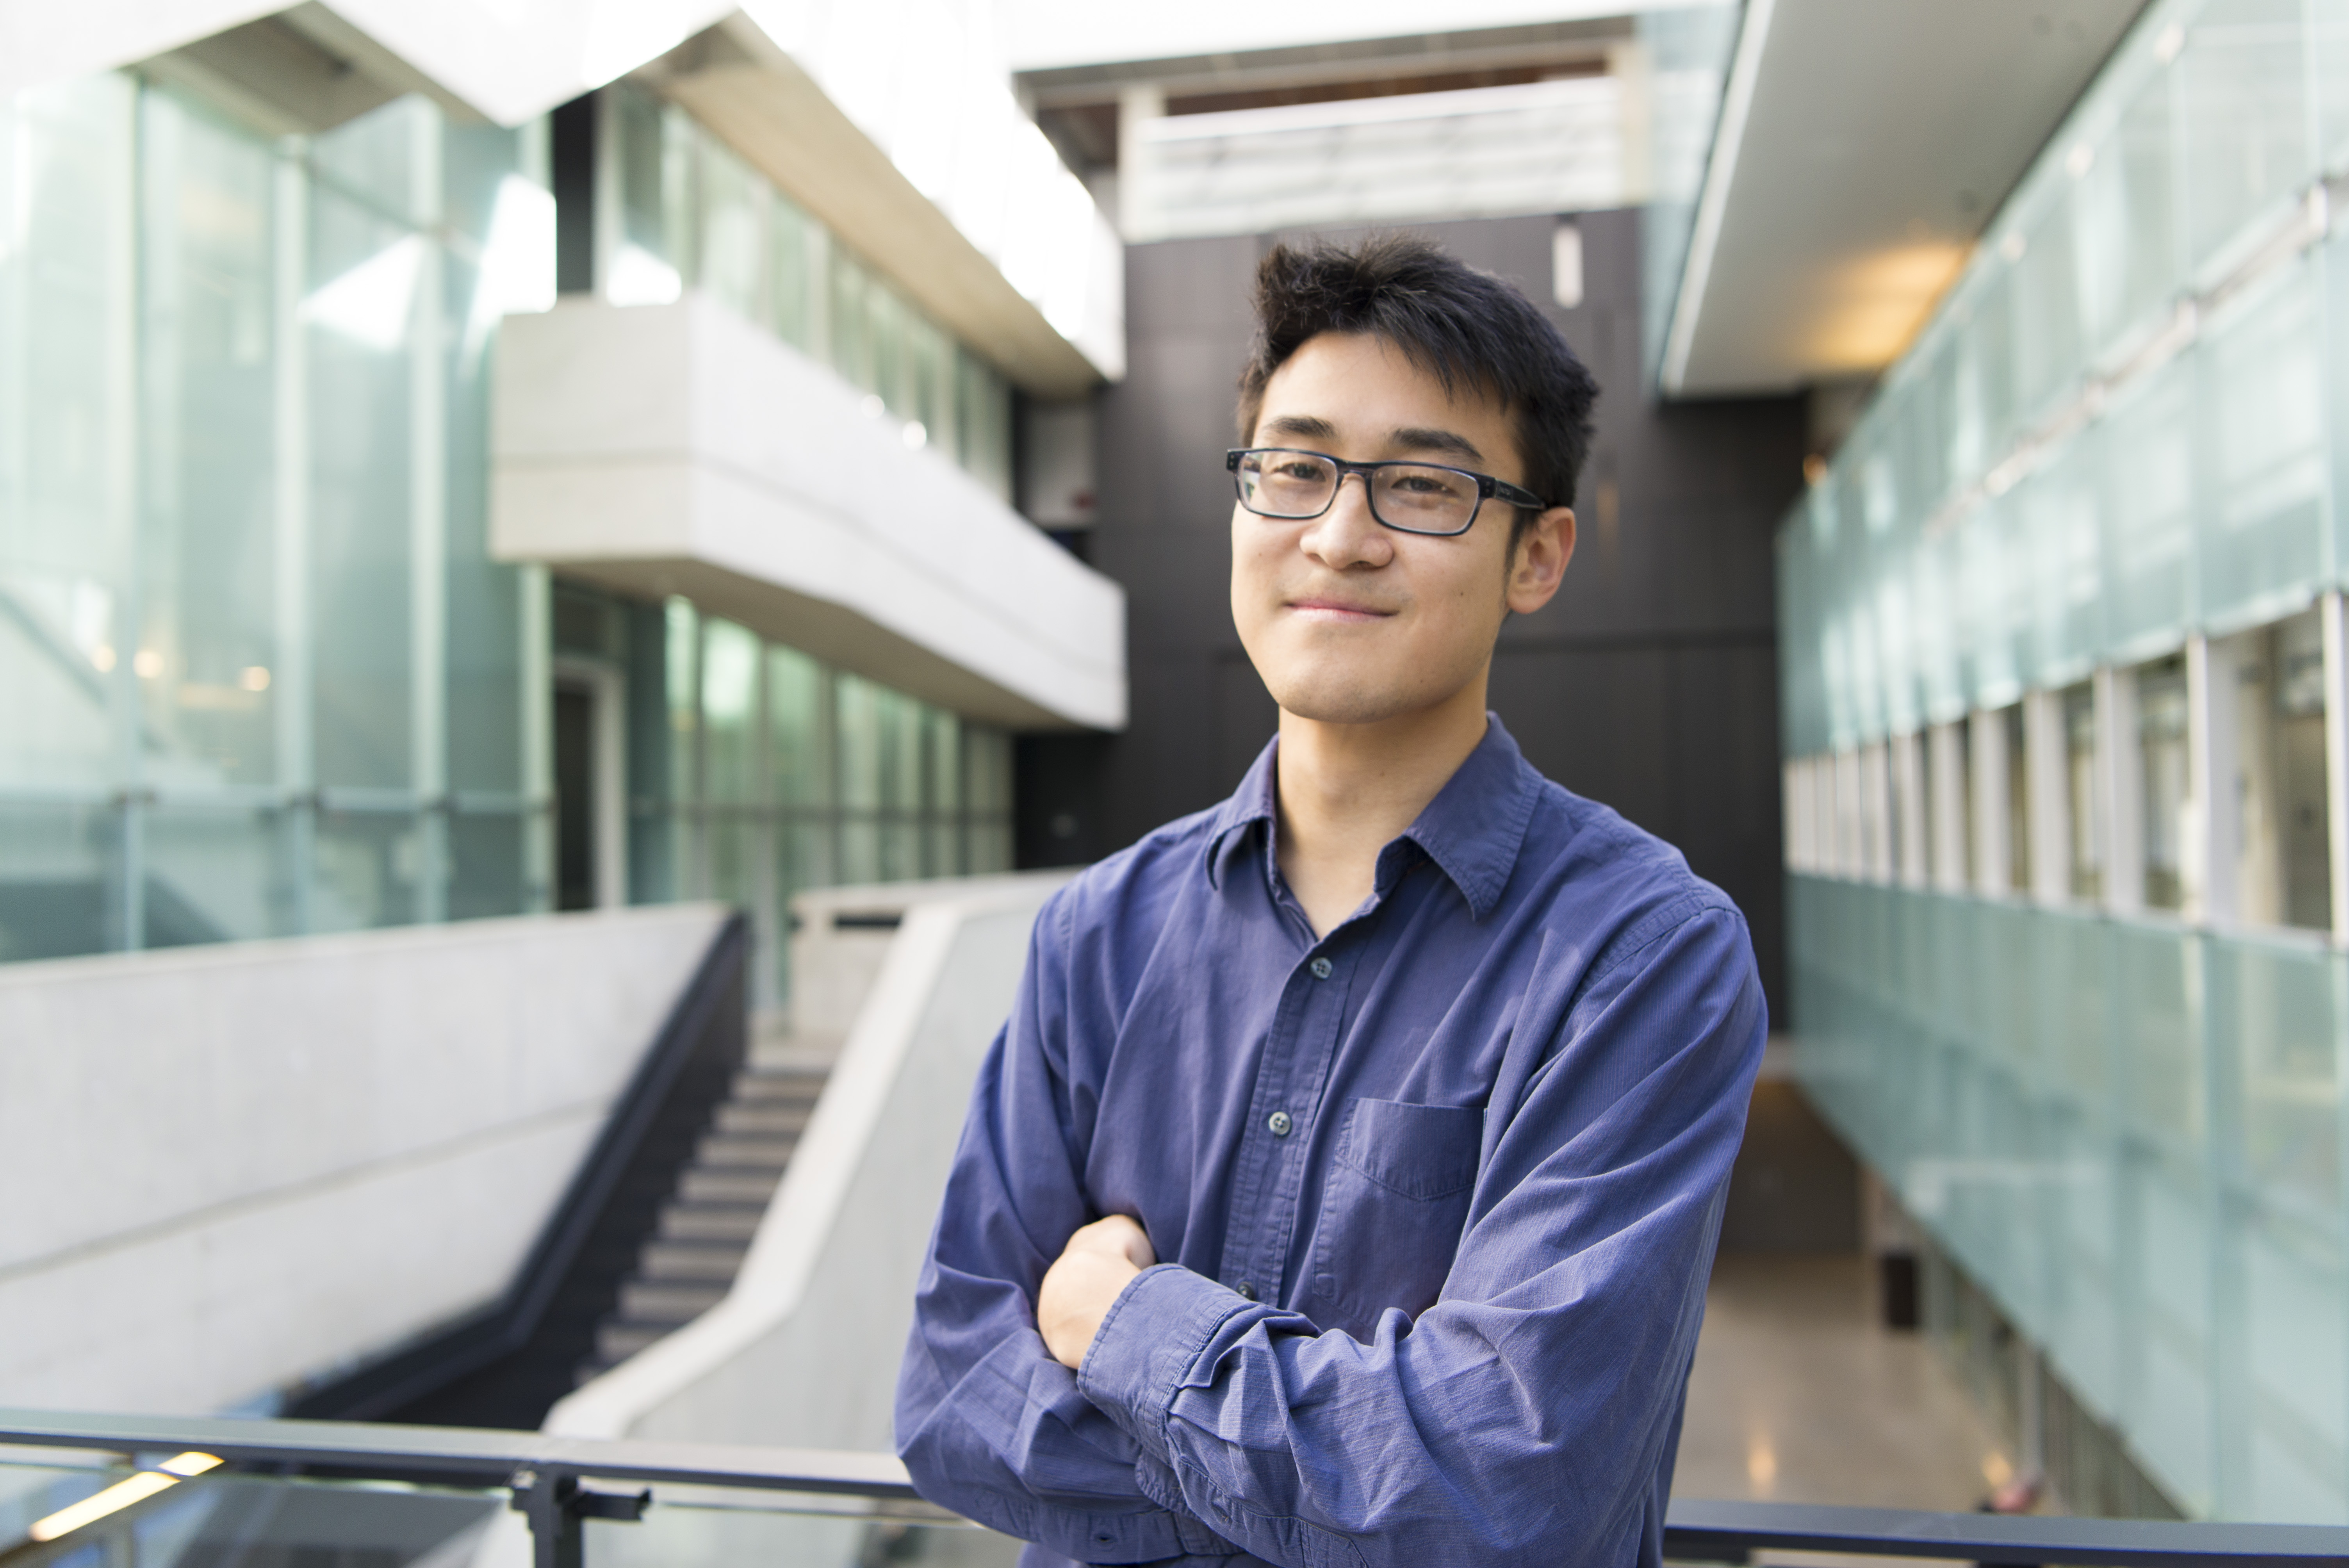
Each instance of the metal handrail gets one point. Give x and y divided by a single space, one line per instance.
547 1473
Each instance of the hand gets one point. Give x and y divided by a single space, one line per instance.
1080 1288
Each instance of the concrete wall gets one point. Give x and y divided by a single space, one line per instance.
1650 683
680 449
839 947
225 1170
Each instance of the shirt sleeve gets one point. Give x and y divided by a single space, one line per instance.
989 1424
1522 1419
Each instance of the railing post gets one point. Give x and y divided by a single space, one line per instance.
557 1508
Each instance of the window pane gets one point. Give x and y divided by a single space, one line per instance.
799 759
2163 780
207 545
732 263
66 483
792 276
2082 798
730 713
358 345
851 325
2286 860
373 159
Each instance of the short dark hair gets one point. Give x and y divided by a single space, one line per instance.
1466 327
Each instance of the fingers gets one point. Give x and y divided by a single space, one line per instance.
1120 1235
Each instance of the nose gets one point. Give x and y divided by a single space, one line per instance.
1346 535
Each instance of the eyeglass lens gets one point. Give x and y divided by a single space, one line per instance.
1402 495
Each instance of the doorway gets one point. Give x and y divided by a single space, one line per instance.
590 788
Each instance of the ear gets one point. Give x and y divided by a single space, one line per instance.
1540 562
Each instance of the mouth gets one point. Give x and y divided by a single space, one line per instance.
1339 612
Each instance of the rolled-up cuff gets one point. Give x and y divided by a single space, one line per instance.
1146 1344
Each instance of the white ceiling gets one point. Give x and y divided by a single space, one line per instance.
1881 137
1045 34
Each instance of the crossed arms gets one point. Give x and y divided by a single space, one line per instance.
1063 1385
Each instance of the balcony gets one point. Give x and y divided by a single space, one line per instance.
679 449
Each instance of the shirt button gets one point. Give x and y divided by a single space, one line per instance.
1321 967
1245 1291
1280 1123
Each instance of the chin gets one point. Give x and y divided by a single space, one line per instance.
1345 702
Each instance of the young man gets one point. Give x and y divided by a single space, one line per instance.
1343 1187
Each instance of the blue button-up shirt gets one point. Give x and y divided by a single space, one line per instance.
1436 1196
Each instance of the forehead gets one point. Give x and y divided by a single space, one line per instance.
1364 385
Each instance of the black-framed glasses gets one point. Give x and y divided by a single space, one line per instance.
1290 483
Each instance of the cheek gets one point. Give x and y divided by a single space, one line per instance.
1255 557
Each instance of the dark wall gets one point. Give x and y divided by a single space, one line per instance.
1650 683
1795 1187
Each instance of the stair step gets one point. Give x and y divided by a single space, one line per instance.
751 1087
702 1185
710 1221
667 1303
615 1342
691 1260
725 1152
764 1120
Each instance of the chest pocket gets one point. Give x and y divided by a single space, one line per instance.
1394 1206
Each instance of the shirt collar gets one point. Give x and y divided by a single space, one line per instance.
1472 830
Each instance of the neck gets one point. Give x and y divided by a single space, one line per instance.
1345 791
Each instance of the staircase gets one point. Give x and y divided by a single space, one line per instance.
705 1228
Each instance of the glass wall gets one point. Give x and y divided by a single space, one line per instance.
2084 550
258 674
755 771
685 210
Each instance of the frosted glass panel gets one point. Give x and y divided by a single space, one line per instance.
200 885
2292 1305
2263 411
2046 311
2245 118
2059 517
2149 513
2272 1011
2329 52
2127 241
1995 582
367 869
2126 1133
2171 1414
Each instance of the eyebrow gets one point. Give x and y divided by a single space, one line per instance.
1408 437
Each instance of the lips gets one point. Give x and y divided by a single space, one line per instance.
1321 607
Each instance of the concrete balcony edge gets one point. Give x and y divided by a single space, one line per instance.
680 449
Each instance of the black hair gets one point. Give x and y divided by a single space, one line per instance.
1466 327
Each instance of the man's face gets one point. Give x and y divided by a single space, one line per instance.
1348 622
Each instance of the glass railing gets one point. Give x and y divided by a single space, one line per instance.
2128 1131
172 1493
